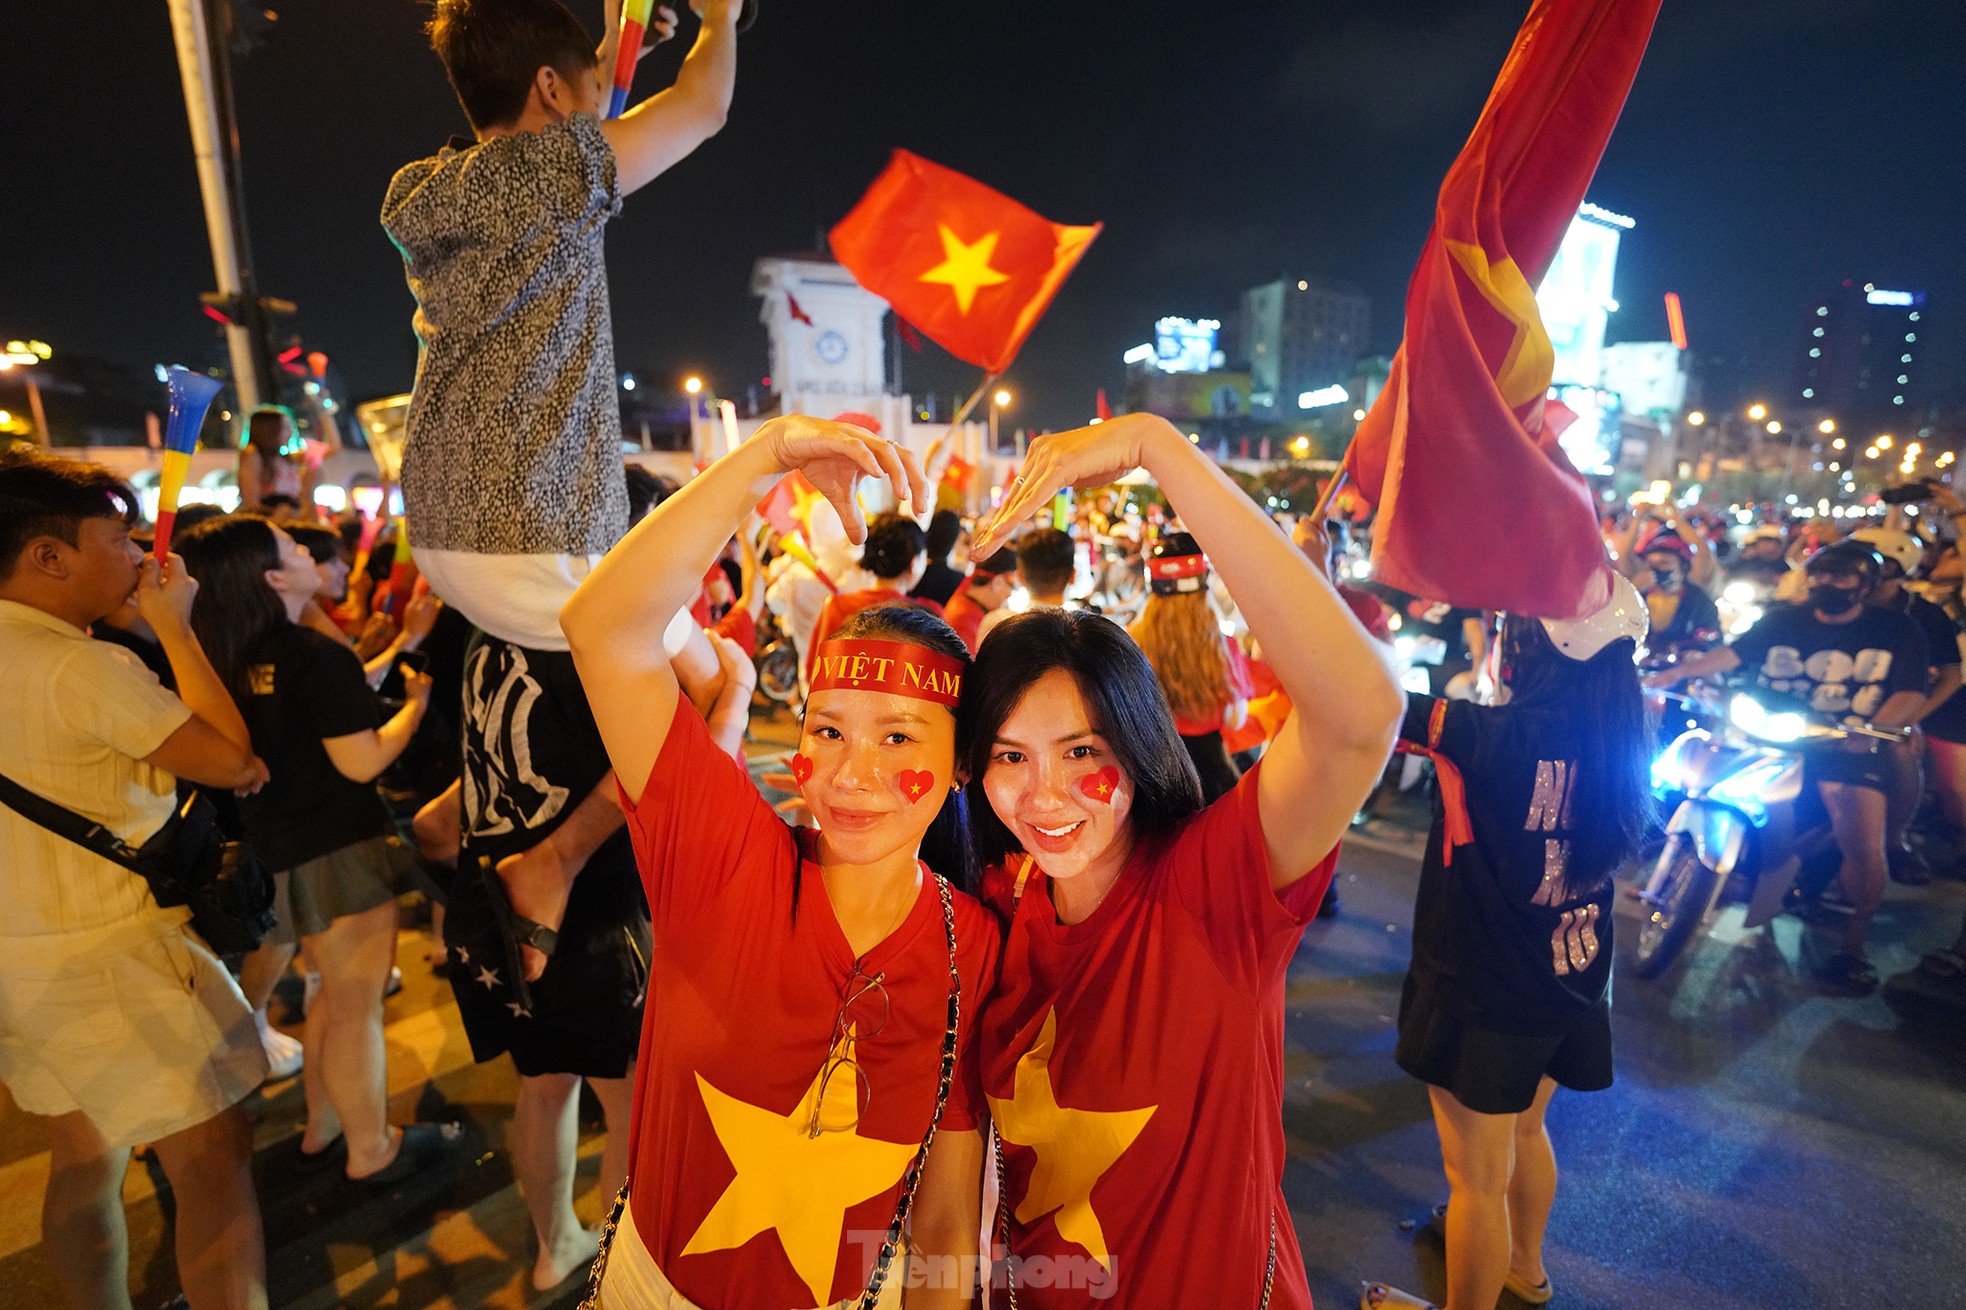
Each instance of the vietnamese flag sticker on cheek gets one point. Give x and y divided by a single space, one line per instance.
801 769
915 783
1100 786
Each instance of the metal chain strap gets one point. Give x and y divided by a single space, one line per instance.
911 1180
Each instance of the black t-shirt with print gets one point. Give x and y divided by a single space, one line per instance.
1497 938
1948 721
307 687
1844 671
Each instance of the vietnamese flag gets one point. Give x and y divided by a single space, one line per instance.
970 267
1478 506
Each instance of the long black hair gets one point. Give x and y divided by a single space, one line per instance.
236 608
1603 711
945 846
1123 699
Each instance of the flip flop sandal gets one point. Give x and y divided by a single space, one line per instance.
424 1144
514 931
1529 1293
1849 974
1378 1296
1945 965
314 1162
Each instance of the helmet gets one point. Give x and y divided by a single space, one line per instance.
1624 615
1670 543
1766 532
1847 557
1176 565
1901 547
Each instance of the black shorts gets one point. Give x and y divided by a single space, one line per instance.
1832 762
532 755
586 1013
1495 1072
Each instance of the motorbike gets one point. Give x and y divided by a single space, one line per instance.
1744 824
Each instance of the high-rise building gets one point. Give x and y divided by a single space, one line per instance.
1860 352
1301 339
1578 297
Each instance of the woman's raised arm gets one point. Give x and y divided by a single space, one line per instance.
1345 704
615 621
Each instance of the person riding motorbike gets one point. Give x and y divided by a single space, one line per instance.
1904 555
1862 664
1683 615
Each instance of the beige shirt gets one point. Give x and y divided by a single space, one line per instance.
77 716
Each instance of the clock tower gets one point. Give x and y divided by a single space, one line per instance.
828 349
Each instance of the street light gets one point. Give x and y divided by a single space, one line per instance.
1757 412
1838 444
999 399
1774 428
693 384
1827 426
1696 418
1002 398
1884 442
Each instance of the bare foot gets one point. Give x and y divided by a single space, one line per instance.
566 1258
537 883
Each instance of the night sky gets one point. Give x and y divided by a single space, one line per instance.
1770 149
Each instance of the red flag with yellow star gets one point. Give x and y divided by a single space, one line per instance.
970 267
1478 505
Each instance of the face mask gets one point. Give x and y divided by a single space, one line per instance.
1666 580
1832 599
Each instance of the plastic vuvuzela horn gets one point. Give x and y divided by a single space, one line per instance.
191 398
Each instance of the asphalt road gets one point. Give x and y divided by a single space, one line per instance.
1764 1146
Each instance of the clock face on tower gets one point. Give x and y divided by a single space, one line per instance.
830 346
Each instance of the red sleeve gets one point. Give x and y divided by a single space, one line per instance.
1242 682
1221 872
740 627
701 826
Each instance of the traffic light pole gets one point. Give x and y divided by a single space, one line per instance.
214 145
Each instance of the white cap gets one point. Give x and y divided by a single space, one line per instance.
1893 545
1624 615
1766 532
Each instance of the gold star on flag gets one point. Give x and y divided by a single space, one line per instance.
1075 1148
965 268
795 1183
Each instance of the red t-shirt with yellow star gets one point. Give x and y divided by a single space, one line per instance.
1134 1066
739 1204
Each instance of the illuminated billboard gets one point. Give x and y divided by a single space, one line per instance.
1576 297
1185 345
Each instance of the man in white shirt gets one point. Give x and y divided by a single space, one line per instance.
116 1022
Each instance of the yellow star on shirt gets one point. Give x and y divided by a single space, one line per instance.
793 1182
1075 1148
965 268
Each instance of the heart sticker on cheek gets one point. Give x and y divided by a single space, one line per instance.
1100 786
915 783
801 769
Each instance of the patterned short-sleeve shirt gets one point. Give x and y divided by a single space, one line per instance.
514 433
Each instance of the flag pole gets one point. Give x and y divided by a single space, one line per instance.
989 381
1331 490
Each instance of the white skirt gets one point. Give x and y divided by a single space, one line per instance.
633 1281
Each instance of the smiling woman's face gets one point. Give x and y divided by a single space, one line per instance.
874 768
1055 782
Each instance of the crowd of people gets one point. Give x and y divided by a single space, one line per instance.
1069 786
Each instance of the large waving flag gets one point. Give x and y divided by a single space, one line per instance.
970 267
1477 504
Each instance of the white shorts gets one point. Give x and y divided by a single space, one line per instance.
517 598
633 1281
136 1025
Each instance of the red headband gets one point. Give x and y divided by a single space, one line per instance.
894 667
1170 567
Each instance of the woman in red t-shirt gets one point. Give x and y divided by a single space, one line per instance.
812 995
1204 676
1133 1053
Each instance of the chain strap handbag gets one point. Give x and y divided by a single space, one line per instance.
910 1180
188 861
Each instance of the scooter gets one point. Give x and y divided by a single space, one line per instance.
1744 825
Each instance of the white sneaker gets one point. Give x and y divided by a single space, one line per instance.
283 1053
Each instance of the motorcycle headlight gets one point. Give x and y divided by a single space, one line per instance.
1751 717
1738 593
